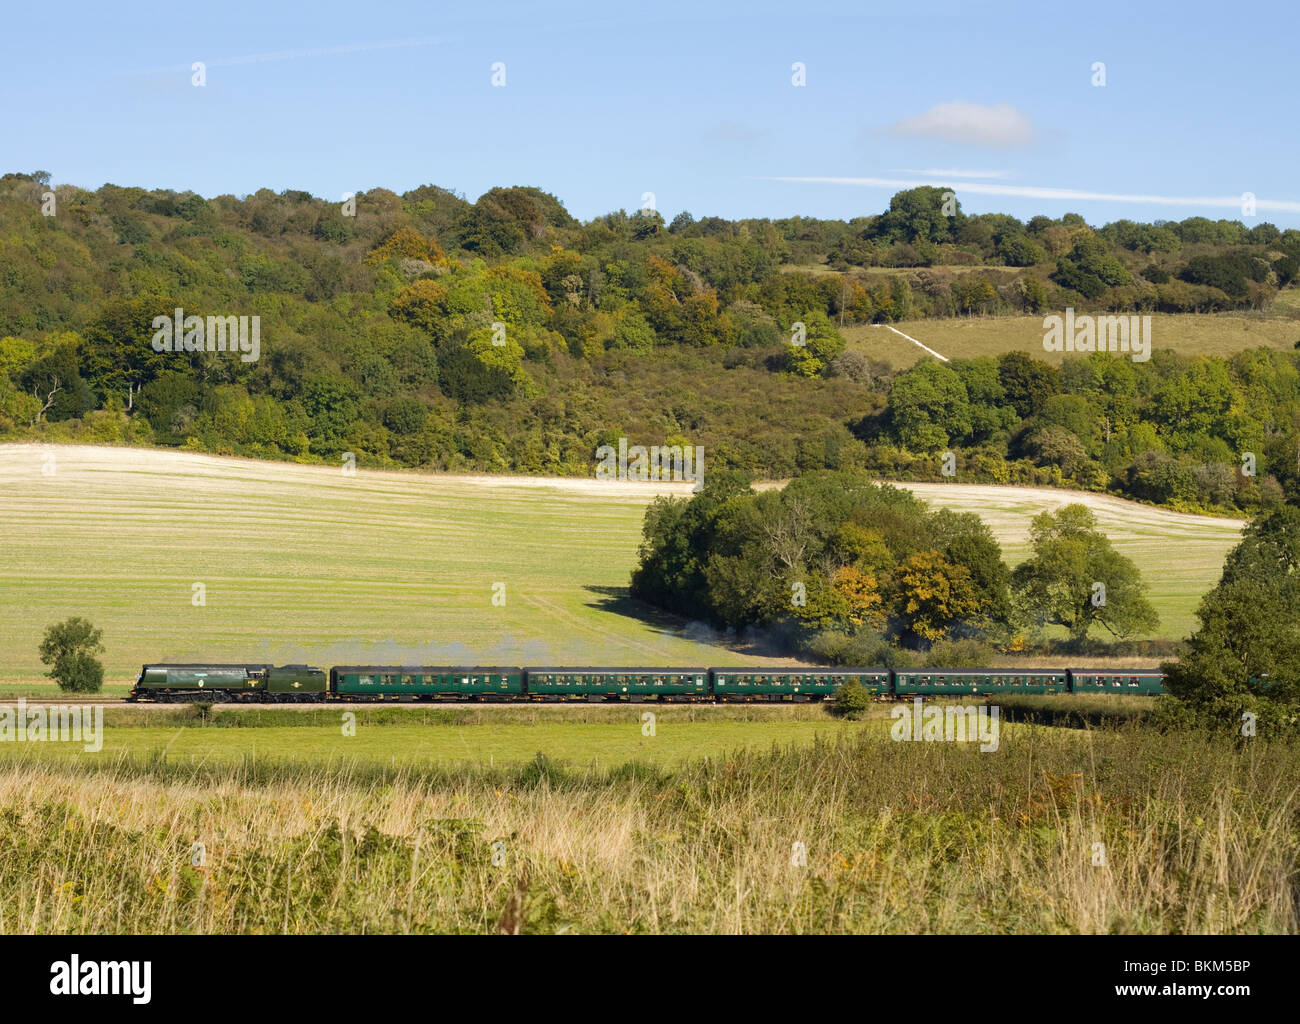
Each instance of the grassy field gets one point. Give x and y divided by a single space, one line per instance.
596 737
840 830
304 564
1221 334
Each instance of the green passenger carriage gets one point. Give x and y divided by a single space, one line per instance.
426 682
1109 680
751 684
630 684
980 681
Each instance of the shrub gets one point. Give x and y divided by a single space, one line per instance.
851 700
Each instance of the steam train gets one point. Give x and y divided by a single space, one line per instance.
267 684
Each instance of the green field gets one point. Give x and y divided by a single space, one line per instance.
305 564
447 738
966 338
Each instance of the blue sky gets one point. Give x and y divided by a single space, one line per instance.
690 101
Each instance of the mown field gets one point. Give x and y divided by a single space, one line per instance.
840 830
305 564
966 338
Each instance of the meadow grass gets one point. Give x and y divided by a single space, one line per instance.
1198 835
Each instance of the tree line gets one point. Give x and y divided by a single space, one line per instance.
505 335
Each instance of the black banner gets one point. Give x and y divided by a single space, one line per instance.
166 974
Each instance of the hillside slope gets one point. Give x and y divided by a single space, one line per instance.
303 563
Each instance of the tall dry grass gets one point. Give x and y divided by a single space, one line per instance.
1199 836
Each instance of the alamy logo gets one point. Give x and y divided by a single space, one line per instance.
684 463
132 978
54 723
964 723
1098 334
181 333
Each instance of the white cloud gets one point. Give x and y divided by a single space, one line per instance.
1043 192
1000 127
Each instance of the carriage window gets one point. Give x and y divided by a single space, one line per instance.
366 680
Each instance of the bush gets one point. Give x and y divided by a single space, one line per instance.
851 700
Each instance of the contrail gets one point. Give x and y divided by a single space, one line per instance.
324 51
1040 192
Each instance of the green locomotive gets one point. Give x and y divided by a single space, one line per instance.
223 684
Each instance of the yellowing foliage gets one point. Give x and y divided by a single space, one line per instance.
408 243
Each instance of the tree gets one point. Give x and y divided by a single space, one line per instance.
1019 251
677 536
966 540
1246 654
1287 269
116 354
822 345
929 407
1057 446
405 243
1090 268
1027 382
935 595
1076 579
917 214
70 647
989 411
862 592
54 380
421 305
